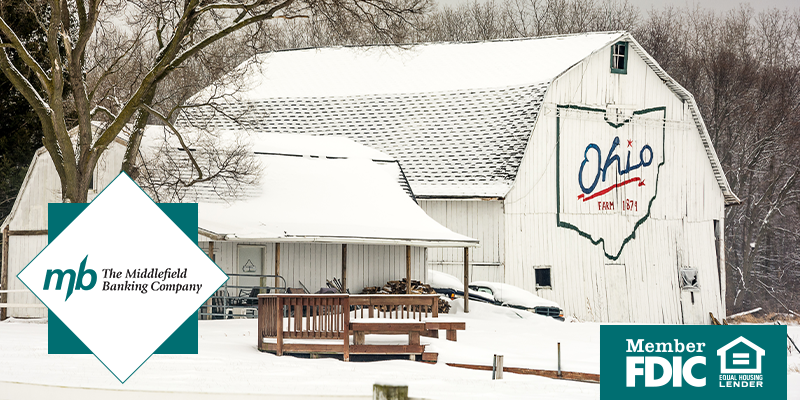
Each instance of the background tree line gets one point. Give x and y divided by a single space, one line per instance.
743 68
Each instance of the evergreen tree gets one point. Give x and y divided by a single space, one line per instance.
20 131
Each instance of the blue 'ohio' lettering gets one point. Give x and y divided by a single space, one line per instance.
611 158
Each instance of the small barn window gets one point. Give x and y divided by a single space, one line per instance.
619 58
542 275
688 277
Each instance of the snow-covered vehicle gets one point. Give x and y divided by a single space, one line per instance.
496 293
512 296
451 287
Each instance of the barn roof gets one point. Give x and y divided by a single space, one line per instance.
458 116
318 189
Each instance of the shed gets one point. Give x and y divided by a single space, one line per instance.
323 207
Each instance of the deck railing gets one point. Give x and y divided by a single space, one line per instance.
304 316
328 316
400 306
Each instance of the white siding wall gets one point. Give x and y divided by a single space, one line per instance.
22 249
43 187
679 232
479 219
313 264
367 265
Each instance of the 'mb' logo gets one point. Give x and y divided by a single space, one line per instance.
72 281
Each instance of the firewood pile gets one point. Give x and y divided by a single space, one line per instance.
399 287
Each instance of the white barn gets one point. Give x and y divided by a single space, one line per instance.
585 171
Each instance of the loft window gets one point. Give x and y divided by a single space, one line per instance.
542 275
619 58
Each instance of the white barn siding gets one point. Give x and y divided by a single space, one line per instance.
22 249
642 285
41 187
480 219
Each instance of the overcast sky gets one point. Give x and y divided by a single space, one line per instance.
721 5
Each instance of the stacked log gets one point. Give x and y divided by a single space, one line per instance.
399 287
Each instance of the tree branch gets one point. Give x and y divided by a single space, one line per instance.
180 139
226 31
26 57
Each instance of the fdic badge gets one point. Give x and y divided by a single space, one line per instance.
692 362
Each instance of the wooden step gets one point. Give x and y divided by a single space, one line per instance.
386 349
430 357
388 328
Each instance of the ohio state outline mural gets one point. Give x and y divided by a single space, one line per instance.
607 170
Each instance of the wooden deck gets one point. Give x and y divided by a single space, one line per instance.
324 324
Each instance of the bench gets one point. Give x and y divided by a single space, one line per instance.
432 329
404 308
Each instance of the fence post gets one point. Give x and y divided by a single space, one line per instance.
466 279
389 392
497 367
559 359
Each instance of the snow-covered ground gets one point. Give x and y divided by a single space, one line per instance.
228 363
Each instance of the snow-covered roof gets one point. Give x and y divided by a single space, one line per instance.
328 190
459 143
457 116
421 68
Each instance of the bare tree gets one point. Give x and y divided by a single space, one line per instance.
168 35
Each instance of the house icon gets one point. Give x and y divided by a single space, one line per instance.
740 356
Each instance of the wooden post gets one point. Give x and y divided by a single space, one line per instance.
389 392
466 279
209 310
344 268
262 322
277 264
408 269
497 367
559 359
345 310
279 330
719 234
4 275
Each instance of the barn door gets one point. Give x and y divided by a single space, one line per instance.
617 303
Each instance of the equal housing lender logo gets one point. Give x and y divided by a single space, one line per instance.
693 362
121 278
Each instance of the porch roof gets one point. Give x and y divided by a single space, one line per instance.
331 192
